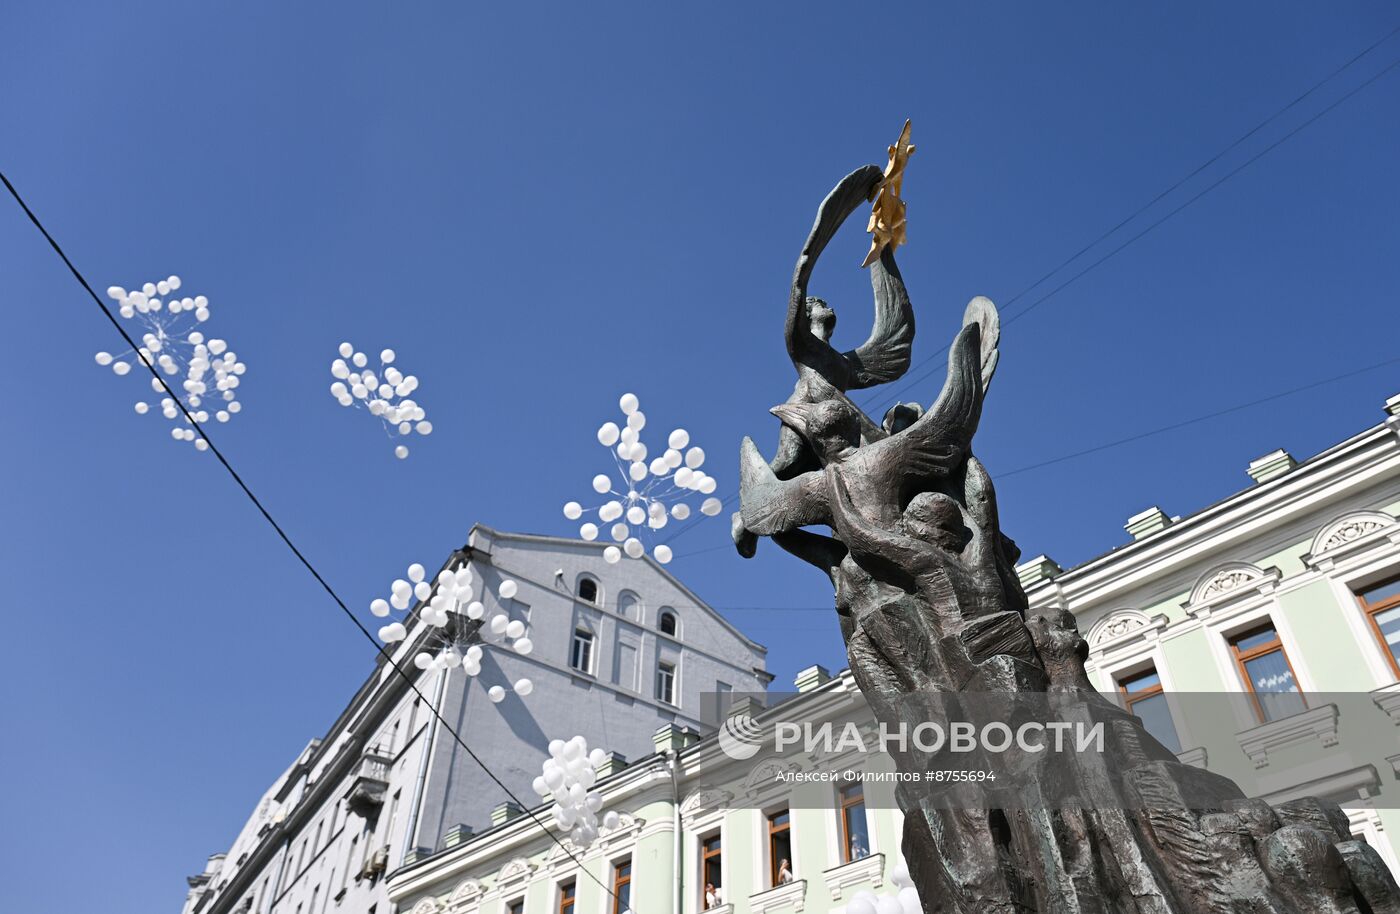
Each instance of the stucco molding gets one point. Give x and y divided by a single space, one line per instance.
867 873
1387 698
1315 724
1121 628
1228 583
464 897
628 826
426 906
790 897
1350 535
704 803
514 875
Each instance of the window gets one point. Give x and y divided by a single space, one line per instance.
588 590
622 886
666 683
629 606
1266 669
566 898
667 623
1144 697
581 656
1382 606
711 871
779 848
855 839
516 907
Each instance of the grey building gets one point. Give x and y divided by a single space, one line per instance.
620 650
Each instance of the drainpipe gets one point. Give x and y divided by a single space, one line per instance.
671 758
409 833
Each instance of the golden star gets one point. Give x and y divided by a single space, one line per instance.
887 221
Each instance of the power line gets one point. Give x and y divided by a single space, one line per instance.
1160 430
729 500
214 449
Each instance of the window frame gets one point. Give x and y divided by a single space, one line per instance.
621 881
668 614
516 905
1254 653
672 671
597 590
843 813
583 635
1372 610
1132 698
705 856
773 833
568 897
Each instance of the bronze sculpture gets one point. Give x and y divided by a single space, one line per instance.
933 615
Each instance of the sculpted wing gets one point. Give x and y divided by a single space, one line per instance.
769 505
853 190
884 357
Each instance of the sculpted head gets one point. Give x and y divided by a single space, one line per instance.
901 416
831 427
936 519
820 318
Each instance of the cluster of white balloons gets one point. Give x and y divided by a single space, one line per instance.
384 394
568 778
171 344
903 900
455 646
645 495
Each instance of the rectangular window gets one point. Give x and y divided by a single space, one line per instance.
711 872
516 907
1265 667
779 848
1382 606
1144 697
622 887
627 666
581 657
566 898
855 838
666 683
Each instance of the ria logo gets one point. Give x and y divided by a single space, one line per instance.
740 738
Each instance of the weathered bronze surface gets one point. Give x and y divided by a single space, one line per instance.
930 607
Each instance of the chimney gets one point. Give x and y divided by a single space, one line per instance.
1038 570
504 812
1146 523
1271 466
614 763
457 834
1392 406
812 677
673 736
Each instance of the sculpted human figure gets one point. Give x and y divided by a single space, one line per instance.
822 370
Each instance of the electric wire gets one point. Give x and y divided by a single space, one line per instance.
286 539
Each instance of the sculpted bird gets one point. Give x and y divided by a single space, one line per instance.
883 476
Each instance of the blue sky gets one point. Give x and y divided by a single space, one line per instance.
540 208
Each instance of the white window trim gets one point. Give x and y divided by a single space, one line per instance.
1113 658
1344 581
1222 623
592 664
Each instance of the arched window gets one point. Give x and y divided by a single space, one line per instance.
629 606
588 590
667 622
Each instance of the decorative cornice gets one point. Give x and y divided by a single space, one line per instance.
1122 627
789 897
1351 534
866 872
1228 583
1318 724
1387 698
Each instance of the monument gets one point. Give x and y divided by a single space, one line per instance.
935 624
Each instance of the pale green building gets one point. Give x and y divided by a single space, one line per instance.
1259 637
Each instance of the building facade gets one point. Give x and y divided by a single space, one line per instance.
1259 637
620 650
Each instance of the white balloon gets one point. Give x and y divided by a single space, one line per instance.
475 610
628 403
379 608
523 646
386 356
612 555
620 532
424 428
610 511
637 420
588 531
392 632
416 572
658 466
499 623
673 458
573 510
540 786
634 548
524 687
900 876
662 553
401 452
422 660
637 471
636 514
679 439
120 368
422 590
611 820
496 694
104 359
346 350
608 434
694 458
707 485
601 484
141 409
888 904
683 477
862 903
508 589
451 659
711 506
680 511
515 629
